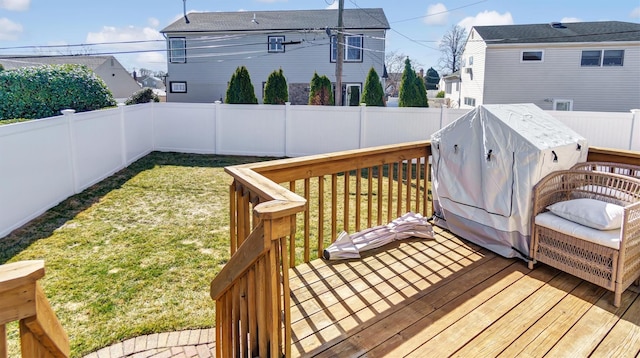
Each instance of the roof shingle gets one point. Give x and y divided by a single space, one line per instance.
602 31
279 20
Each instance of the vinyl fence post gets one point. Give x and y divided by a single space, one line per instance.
68 115
287 114
216 126
363 122
123 136
634 137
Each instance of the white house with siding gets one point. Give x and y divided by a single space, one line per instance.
204 52
583 66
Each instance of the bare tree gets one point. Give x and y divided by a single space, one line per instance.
451 47
394 61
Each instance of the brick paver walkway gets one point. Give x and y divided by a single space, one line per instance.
198 343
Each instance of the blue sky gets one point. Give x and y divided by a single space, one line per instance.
416 26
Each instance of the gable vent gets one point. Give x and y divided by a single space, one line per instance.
558 25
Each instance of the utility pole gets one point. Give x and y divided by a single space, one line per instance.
340 55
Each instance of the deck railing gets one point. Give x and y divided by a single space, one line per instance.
22 299
348 190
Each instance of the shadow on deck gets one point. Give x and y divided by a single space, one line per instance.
447 297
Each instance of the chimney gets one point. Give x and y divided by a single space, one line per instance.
421 73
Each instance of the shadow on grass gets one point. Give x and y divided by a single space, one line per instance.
44 225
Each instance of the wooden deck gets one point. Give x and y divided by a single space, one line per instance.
447 297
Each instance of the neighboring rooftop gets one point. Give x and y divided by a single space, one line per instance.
555 32
370 18
17 61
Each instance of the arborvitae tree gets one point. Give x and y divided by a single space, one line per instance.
276 90
412 90
421 94
373 94
408 89
321 93
240 90
432 80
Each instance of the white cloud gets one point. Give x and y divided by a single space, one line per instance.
436 14
334 5
15 5
486 18
153 22
9 30
150 60
570 19
635 13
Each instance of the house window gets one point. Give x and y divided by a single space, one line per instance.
613 58
470 101
447 87
177 50
470 60
352 48
563 105
532 56
590 58
597 58
178 87
276 43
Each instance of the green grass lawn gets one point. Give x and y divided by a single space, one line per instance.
135 253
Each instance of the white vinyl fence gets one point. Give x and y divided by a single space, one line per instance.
42 162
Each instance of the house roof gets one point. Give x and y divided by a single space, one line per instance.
18 61
279 20
602 31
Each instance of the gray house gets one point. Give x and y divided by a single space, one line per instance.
583 66
115 76
204 52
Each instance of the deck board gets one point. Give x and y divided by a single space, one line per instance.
448 297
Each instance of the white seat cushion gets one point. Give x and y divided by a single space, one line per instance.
609 238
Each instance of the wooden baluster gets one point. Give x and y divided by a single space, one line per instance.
252 311
320 215
287 302
233 216
369 195
219 329
380 196
242 217
390 191
247 215
307 244
408 181
292 235
235 320
3 341
334 207
399 198
358 199
346 201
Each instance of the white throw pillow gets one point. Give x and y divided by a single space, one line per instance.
590 212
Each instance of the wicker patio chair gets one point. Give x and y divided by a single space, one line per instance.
612 264
609 167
